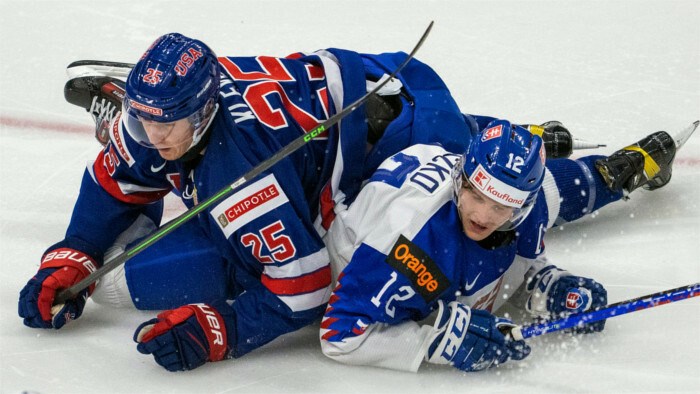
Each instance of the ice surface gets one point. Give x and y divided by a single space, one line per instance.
612 71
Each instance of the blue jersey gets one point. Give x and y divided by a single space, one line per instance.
401 248
268 232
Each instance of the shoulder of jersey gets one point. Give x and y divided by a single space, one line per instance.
403 194
425 168
416 181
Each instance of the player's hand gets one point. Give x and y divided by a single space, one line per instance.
61 267
184 338
555 293
573 294
472 340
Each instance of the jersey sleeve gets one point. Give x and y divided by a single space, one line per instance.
530 252
531 256
521 276
564 194
564 190
371 316
124 181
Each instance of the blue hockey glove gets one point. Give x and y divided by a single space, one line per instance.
61 267
573 294
472 340
557 293
184 338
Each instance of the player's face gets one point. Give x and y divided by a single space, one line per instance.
172 139
480 215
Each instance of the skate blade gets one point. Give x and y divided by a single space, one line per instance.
682 136
583 144
83 68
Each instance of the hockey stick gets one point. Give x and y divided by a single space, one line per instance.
120 259
605 312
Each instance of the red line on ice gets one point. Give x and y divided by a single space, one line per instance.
687 161
23 123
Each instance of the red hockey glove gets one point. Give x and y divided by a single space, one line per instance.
60 268
184 338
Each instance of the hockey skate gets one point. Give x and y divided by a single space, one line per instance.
647 163
101 96
558 142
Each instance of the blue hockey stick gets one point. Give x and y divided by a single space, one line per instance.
608 311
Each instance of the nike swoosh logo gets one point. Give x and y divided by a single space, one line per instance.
156 169
468 286
186 194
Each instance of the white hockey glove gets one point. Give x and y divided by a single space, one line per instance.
471 339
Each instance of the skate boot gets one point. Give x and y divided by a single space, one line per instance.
381 110
101 96
647 163
558 142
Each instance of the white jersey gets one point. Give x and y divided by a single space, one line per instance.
400 248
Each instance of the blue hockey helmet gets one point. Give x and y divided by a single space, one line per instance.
506 163
177 78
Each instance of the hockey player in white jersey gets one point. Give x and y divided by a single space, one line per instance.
462 234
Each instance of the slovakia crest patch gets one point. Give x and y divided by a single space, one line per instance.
574 300
493 132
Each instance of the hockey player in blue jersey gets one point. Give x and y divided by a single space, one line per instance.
460 235
254 265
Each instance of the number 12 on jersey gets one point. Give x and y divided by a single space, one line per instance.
404 293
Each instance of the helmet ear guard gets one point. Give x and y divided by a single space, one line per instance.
505 163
